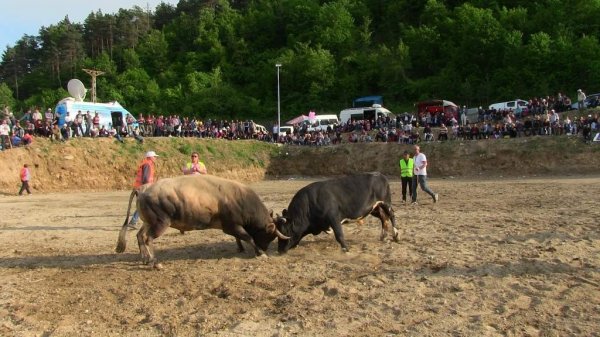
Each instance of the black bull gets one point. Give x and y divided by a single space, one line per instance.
330 203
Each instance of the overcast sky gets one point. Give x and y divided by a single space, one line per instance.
20 17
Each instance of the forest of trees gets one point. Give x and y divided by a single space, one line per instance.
216 58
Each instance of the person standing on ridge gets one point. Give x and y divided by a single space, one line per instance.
580 99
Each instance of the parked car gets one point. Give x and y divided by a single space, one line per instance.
518 106
285 130
321 123
591 101
362 113
445 110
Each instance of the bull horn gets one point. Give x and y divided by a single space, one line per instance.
281 236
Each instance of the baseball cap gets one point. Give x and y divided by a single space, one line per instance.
151 154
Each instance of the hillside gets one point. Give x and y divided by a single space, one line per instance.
105 164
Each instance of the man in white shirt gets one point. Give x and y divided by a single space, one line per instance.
37 115
5 135
420 176
49 116
580 99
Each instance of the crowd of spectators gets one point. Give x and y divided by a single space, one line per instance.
18 132
542 117
406 129
176 126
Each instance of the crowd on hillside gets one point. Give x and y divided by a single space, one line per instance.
541 117
176 126
18 132
508 127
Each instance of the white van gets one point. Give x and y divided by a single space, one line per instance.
518 106
321 122
259 128
285 129
111 114
361 113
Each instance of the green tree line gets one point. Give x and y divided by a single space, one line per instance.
216 58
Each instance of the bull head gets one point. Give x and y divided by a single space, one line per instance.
276 224
283 224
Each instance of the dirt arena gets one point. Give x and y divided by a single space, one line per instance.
518 257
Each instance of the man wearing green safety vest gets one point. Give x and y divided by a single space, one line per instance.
406 173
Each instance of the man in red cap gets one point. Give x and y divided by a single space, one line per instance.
145 176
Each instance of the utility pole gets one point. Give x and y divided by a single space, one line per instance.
278 66
93 73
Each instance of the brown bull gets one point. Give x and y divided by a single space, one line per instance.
197 202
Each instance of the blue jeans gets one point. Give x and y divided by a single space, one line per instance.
420 180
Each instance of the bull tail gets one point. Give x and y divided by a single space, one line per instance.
122 242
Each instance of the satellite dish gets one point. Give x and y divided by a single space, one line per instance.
76 89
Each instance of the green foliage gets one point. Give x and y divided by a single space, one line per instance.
153 52
137 88
212 150
185 148
309 74
217 58
131 59
46 99
6 96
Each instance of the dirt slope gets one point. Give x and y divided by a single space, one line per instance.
104 164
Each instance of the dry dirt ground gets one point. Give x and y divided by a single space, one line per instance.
496 257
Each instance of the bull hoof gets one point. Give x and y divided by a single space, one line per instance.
158 266
345 249
262 256
397 237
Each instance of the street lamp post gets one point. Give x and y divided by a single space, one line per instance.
278 65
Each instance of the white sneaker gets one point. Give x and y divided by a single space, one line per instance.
436 198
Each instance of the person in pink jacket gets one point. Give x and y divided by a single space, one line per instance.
25 176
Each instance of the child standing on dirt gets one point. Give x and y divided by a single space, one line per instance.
25 176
